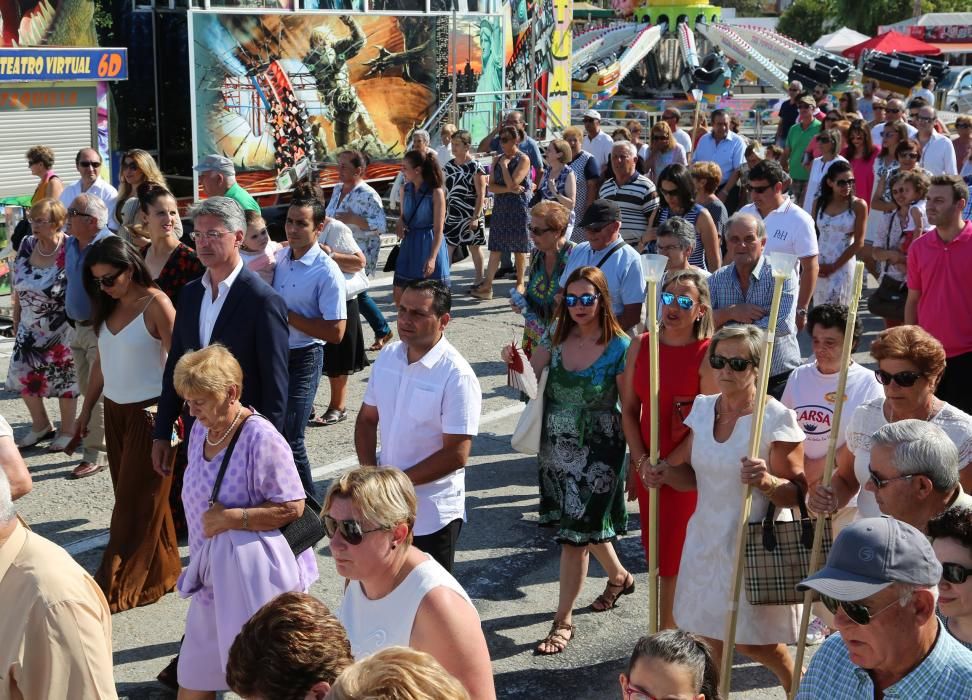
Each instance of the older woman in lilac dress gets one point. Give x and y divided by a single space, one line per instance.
238 559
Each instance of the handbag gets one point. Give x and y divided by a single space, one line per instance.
778 556
392 258
888 300
355 283
393 254
526 437
302 533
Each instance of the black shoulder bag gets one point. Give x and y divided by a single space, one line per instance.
392 260
618 246
302 533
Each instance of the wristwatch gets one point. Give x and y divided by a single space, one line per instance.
801 312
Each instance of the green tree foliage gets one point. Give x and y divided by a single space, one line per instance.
807 20
866 15
744 8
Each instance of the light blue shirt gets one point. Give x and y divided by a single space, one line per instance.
625 278
312 286
76 300
729 154
945 674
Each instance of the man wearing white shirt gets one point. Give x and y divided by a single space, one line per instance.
672 116
596 142
88 163
426 400
894 112
788 228
937 151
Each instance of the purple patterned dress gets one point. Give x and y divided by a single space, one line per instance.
230 576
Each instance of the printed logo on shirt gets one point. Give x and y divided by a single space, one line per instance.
831 397
780 234
815 420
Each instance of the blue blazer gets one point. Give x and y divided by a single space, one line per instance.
253 326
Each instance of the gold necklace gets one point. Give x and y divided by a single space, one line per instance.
732 414
232 425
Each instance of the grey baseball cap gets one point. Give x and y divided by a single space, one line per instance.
870 555
216 162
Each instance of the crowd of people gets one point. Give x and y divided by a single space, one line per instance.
197 363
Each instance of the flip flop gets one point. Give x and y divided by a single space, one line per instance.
378 345
86 469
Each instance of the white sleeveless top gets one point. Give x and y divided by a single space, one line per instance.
373 625
135 360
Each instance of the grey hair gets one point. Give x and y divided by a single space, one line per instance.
225 209
751 336
94 206
742 217
680 229
7 510
797 84
922 448
421 134
629 147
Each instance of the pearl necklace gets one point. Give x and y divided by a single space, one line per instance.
229 430
41 253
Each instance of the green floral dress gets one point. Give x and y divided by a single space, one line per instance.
582 478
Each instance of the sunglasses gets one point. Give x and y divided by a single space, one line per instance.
907 154
685 303
759 189
584 299
659 137
108 281
505 139
801 107
130 165
535 231
668 192
350 529
880 483
924 120
89 164
34 162
892 110
955 573
736 364
856 613
77 212
587 119
849 182
902 379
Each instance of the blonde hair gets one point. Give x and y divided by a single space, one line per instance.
704 326
42 154
397 673
53 208
146 163
207 372
563 150
663 129
384 495
574 131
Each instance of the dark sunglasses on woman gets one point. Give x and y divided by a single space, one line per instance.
902 379
350 529
736 364
584 299
955 573
108 280
685 303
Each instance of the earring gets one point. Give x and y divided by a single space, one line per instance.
394 546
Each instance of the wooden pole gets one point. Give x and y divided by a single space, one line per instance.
653 521
766 357
845 360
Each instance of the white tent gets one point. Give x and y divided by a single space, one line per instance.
843 38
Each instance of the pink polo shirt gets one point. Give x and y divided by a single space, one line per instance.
941 272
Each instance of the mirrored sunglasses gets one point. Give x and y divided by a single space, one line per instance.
585 299
685 303
350 530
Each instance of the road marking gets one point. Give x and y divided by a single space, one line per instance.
91 542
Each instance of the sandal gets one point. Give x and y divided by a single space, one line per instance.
86 469
556 641
482 295
32 438
330 417
379 344
609 598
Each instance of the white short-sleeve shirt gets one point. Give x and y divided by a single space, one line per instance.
418 403
789 229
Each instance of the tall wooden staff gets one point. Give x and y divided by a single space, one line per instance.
845 360
782 265
697 97
654 268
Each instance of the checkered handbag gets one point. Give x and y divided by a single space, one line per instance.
778 556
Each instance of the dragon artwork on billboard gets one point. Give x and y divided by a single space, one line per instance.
281 94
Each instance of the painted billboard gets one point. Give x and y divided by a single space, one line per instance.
47 23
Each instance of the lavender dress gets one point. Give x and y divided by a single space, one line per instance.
230 576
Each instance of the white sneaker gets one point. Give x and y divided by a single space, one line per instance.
817 632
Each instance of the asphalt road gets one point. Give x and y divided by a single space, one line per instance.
506 563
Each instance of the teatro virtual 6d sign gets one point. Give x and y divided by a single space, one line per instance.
30 65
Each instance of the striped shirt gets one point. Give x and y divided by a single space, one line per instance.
945 674
697 258
637 199
726 291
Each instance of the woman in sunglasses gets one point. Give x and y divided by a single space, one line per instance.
910 365
137 167
828 141
671 664
133 321
40 160
841 219
881 204
951 536
171 262
861 153
677 192
663 150
582 477
706 460
238 559
42 365
397 595
686 319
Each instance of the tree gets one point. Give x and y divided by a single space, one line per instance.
744 8
806 20
866 15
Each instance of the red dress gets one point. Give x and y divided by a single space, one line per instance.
678 387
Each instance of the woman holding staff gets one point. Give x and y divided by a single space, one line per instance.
720 426
683 358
